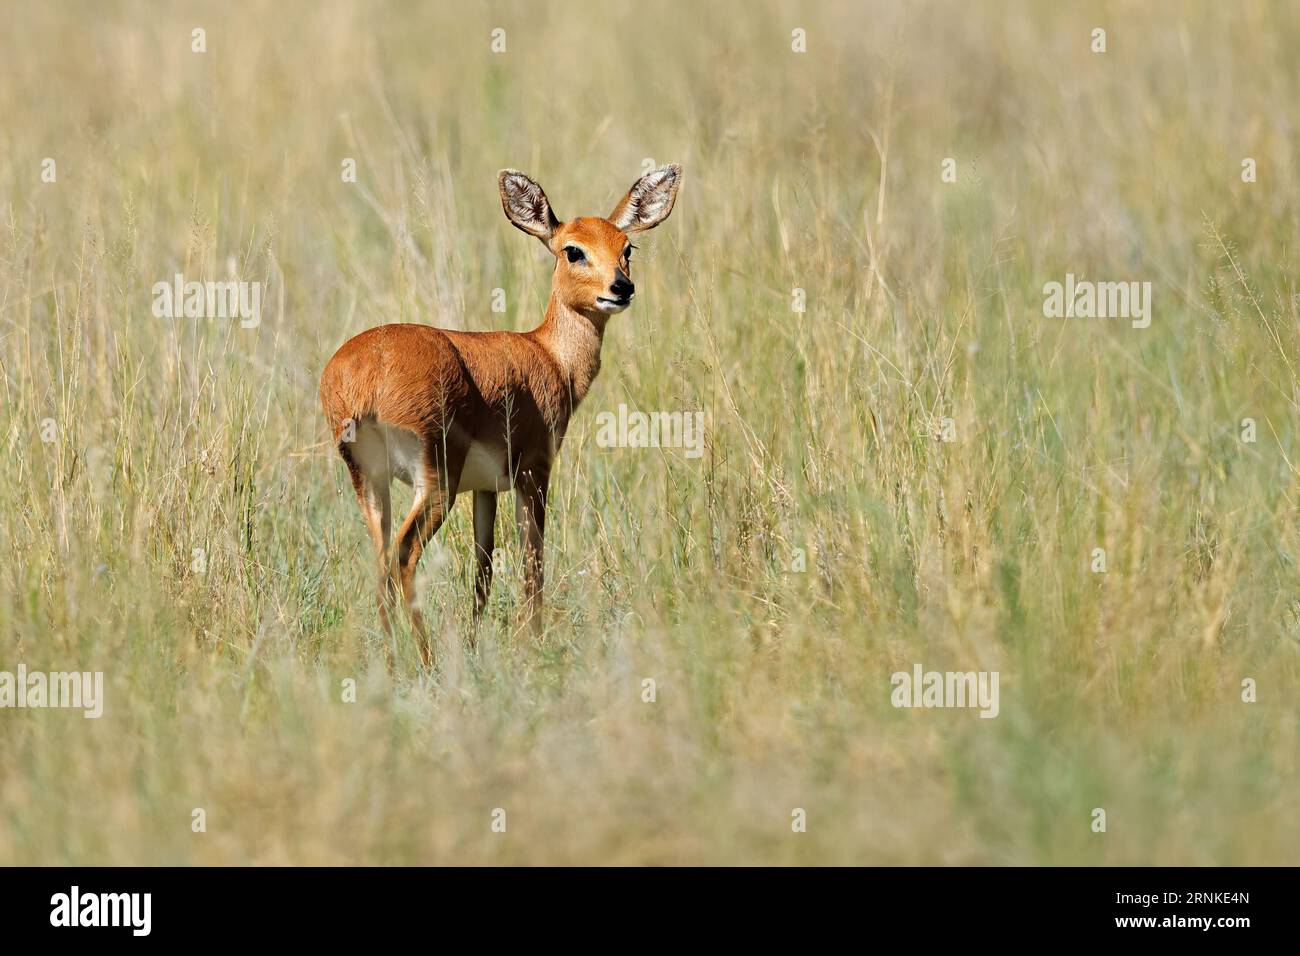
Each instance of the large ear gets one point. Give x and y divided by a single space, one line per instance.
649 201
526 205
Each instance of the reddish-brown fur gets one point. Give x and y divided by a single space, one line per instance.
508 394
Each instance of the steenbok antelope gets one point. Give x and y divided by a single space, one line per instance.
447 411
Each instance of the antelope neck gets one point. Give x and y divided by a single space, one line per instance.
572 338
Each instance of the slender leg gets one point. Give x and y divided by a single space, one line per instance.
425 518
376 511
485 516
530 509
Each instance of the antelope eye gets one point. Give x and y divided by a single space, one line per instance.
627 253
574 254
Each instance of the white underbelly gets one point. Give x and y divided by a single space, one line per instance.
385 452
485 469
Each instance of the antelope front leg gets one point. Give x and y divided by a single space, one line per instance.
485 516
530 508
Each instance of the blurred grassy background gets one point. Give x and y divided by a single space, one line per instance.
818 171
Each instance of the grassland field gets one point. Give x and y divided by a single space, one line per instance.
905 461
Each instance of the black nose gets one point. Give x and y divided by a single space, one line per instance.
622 287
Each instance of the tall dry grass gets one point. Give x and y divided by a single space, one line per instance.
818 171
